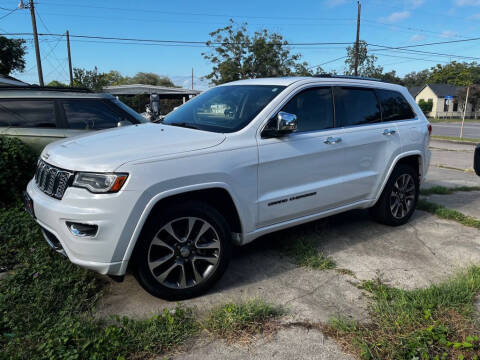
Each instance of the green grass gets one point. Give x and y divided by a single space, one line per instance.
234 321
453 120
442 190
448 214
304 250
47 305
431 323
456 138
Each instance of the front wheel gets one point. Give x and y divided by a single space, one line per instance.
399 197
183 251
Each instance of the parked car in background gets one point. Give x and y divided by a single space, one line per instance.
238 161
476 160
38 116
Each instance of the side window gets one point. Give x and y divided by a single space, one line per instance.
313 108
394 106
355 106
90 114
28 113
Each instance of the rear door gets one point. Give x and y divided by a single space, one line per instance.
369 145
34 121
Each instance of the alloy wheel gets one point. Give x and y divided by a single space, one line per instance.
184 252
402 197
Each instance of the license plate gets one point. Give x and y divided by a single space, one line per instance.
28 203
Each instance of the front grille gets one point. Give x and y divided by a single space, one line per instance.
52 180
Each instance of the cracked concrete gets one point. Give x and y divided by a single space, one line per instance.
467 202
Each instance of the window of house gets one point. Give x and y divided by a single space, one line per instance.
445 105
394 106
455 106
355 106
28 113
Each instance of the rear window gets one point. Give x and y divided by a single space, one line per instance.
394 106
91 115
355 106
28 113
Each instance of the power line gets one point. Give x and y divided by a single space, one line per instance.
11 12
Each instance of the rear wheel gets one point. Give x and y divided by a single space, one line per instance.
399 197
183 251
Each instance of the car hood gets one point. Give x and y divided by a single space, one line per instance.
106 150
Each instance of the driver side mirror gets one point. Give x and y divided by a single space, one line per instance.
284 123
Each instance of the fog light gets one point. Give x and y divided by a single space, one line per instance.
82 230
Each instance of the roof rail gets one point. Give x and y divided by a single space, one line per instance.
352 77
45 88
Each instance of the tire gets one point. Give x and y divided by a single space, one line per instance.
396 204
183 251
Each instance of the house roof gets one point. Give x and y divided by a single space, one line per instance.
6 80
134 89
414 90
442 90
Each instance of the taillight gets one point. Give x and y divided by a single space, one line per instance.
429 126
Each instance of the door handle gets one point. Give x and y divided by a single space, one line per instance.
332 140
389 132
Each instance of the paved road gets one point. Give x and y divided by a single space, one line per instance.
470 130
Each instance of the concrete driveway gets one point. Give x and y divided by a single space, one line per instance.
424 251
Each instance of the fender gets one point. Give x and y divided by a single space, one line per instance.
392 166
128 250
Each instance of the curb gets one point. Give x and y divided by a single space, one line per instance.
455 141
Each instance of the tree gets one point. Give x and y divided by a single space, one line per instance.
416 78
150 79
56 83
473 97
391 77
235 55
426 106
12 52
90 79
366 63
460 74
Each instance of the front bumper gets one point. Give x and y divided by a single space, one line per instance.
108 211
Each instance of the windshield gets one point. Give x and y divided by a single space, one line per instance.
224 108
129 110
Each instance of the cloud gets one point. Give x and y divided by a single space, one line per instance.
448 34
467 2
333 3
474 17
417 37
396 16
415 3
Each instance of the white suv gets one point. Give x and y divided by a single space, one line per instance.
239 161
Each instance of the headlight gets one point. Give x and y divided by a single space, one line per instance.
100 183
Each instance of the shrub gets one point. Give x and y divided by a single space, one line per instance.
17 167
426 106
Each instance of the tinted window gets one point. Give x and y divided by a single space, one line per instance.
355 106
91 114
313 108
394 106
28 113
224 108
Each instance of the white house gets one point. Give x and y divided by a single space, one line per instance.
445 99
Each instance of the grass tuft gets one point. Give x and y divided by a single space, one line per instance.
305 252
431 323
456 139
448 214
442 190
242 321
47 306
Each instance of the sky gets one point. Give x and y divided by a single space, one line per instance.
391 23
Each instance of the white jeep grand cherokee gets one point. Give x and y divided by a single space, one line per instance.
239 161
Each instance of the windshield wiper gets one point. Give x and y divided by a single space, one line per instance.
183 124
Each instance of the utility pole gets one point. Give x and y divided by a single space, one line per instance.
35 38
69 60
358 39
464 111
192 78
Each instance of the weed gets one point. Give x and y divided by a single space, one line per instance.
442 190
448 214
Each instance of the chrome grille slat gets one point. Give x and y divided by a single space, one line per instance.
52 180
